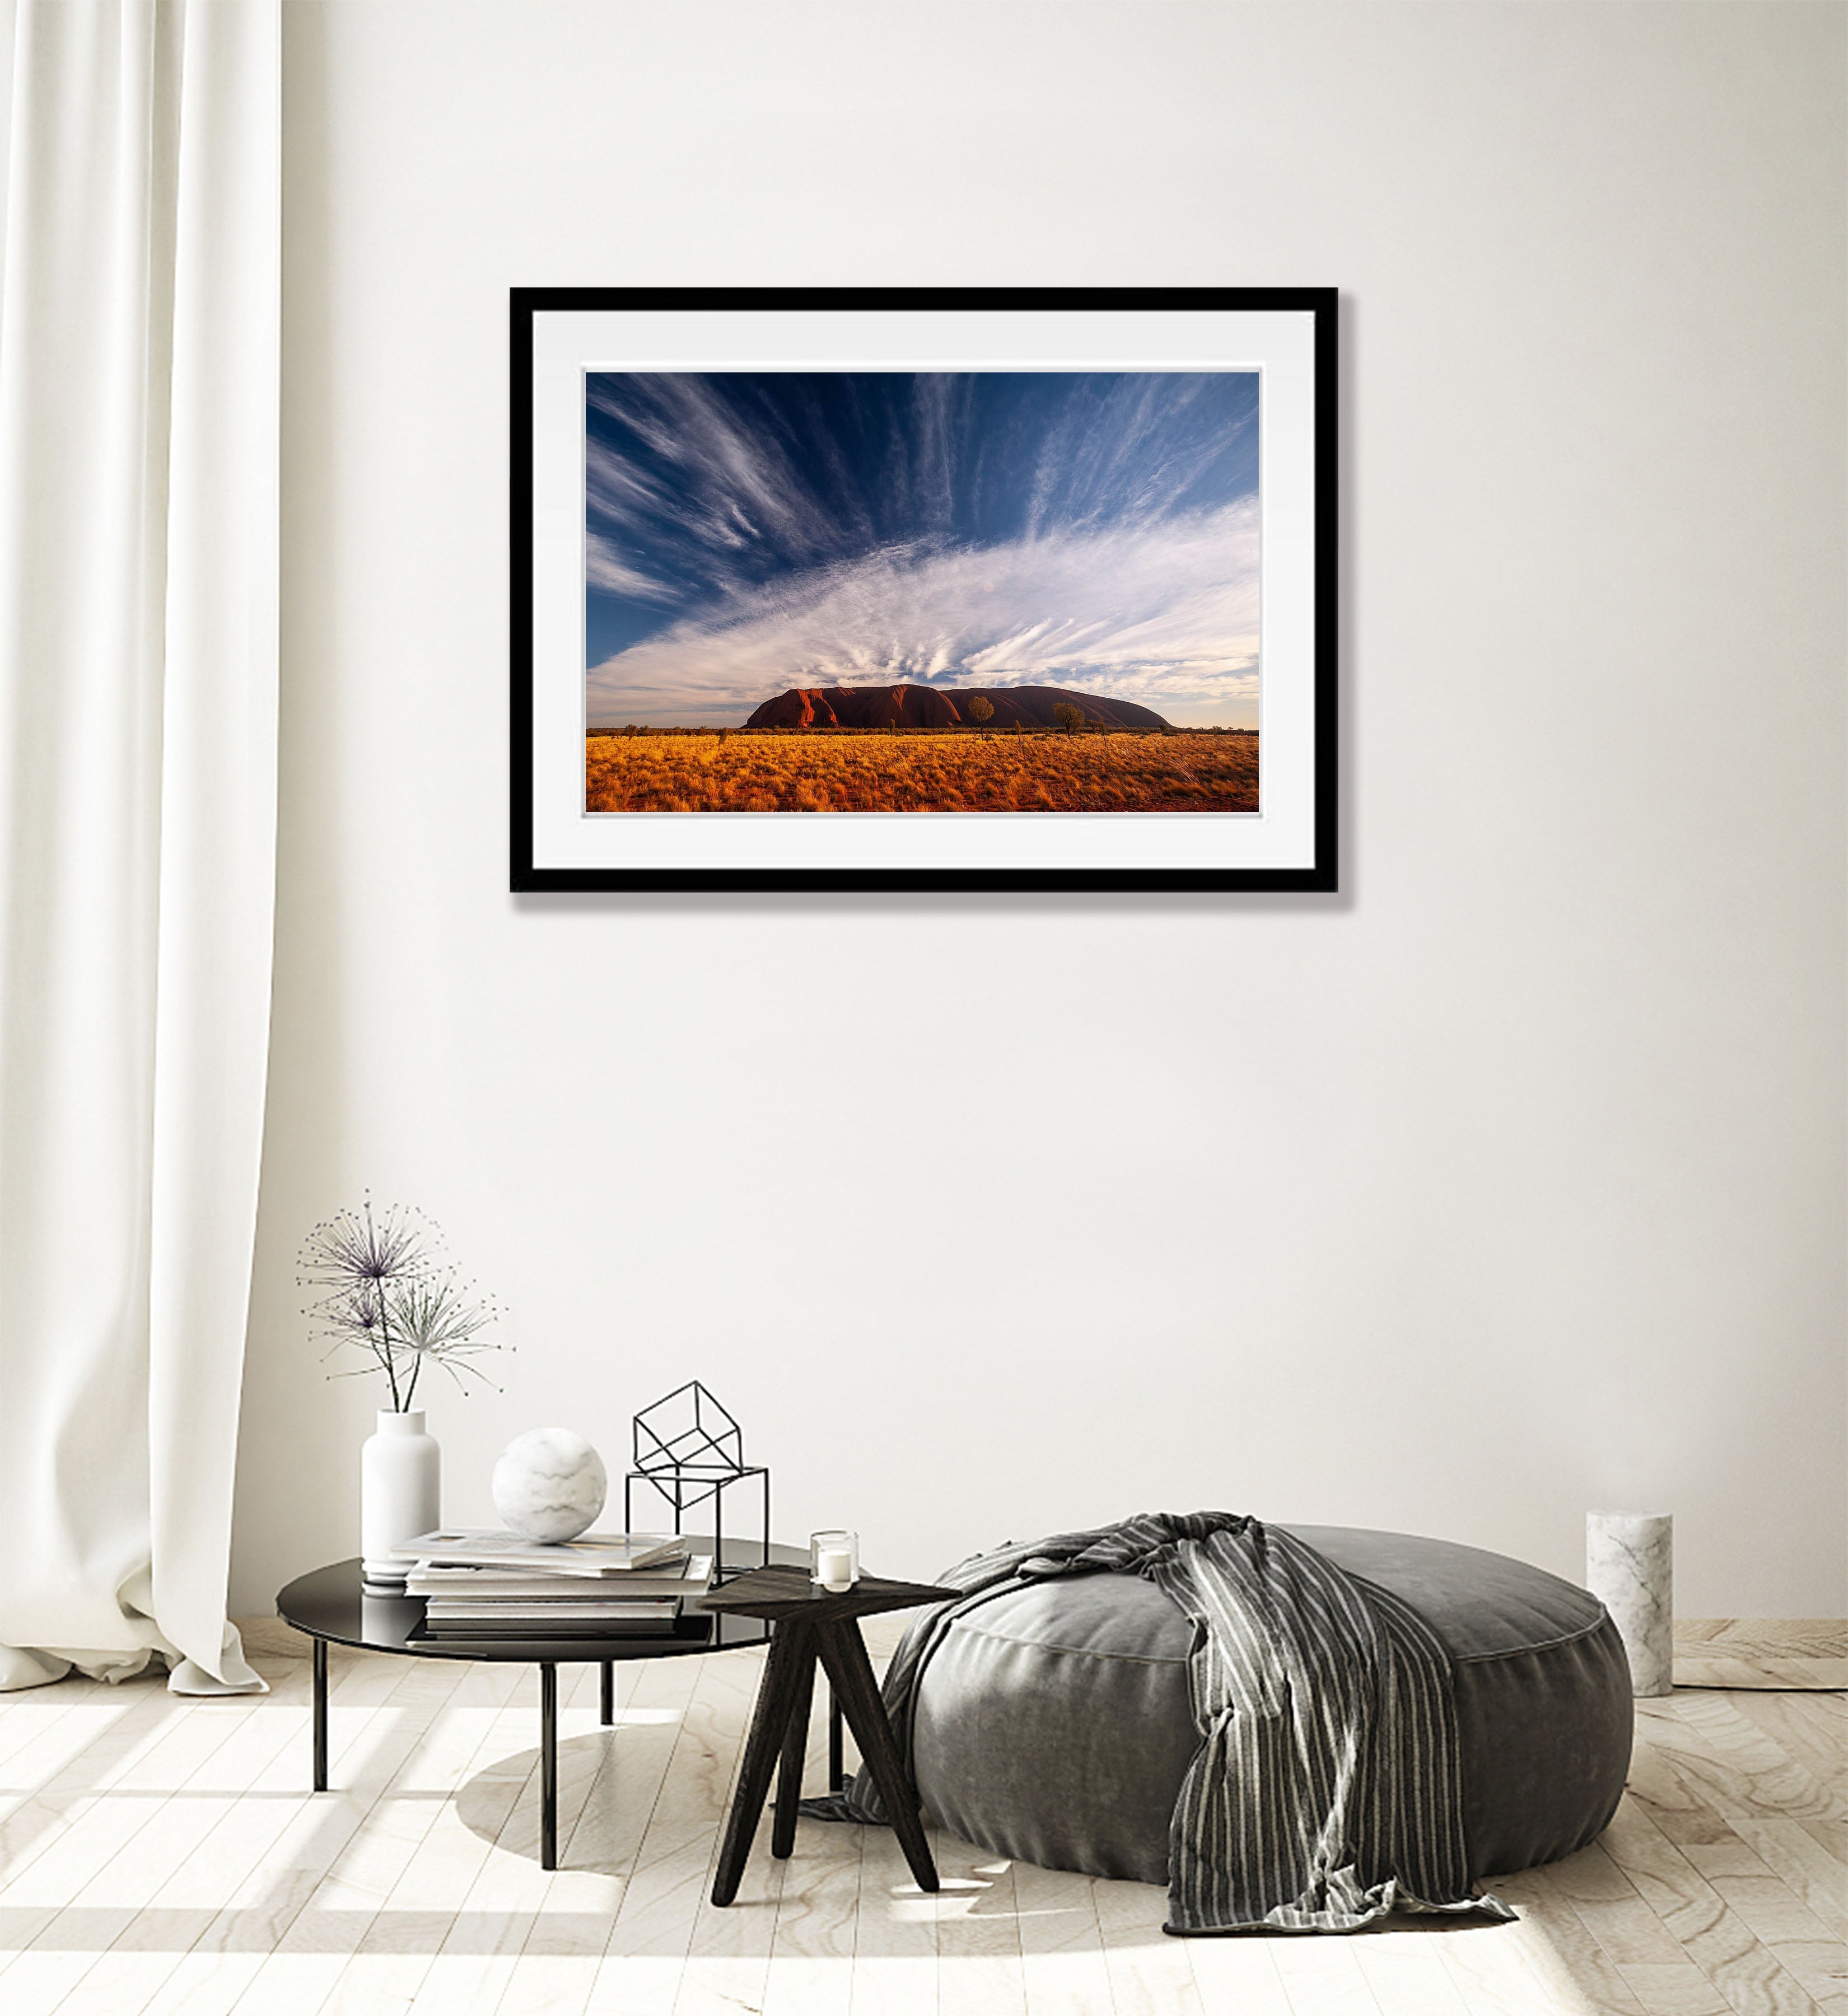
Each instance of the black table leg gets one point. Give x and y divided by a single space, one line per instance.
795 1750
850 1674
837 1764
320 1715
606 1710
792 1660
548 1765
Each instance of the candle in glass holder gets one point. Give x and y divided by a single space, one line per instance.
834 1559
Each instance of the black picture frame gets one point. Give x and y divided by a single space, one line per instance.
1315 869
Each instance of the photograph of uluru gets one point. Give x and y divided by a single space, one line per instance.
894 592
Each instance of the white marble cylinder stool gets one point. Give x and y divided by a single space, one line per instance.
1630 1567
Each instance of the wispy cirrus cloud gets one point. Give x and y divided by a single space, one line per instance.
1162 610
706 483
604 567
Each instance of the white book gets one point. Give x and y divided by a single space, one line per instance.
436 1578
540 1614
590 1553
509 1631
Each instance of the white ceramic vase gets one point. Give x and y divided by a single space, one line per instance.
401 1473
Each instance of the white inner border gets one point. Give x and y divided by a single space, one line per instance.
1280 345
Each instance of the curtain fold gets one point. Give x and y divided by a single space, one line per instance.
139 411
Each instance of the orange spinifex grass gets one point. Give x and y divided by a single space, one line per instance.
956 772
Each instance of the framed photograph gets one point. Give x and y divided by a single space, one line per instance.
931 588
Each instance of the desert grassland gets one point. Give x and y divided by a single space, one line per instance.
954 773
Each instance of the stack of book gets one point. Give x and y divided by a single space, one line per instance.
487 1586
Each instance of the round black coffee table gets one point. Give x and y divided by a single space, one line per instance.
331 1606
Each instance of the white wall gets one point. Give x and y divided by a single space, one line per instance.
1508 1184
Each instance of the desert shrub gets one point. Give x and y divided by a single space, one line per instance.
1068 717
1033 770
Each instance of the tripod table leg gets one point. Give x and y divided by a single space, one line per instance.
606 1712
850 1673
795 1750
790 1665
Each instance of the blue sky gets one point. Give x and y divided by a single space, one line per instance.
748 532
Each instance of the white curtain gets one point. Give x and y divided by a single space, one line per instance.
139 386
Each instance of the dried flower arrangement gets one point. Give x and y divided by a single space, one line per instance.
387 1289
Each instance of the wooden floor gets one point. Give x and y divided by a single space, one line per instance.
163 1856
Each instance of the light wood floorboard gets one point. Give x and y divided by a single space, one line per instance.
164 1857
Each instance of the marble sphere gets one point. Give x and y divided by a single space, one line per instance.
549 1484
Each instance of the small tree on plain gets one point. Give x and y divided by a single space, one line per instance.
1068 717
982 710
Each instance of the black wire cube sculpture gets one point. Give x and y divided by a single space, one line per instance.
688 1448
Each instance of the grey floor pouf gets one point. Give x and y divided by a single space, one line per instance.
1053 1724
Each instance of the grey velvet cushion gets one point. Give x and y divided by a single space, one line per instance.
1053 1724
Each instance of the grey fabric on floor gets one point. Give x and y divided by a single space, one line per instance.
1053 1724
1322 1789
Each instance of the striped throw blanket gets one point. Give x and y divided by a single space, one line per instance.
1327 1790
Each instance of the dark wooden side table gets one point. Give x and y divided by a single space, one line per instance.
811 1624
